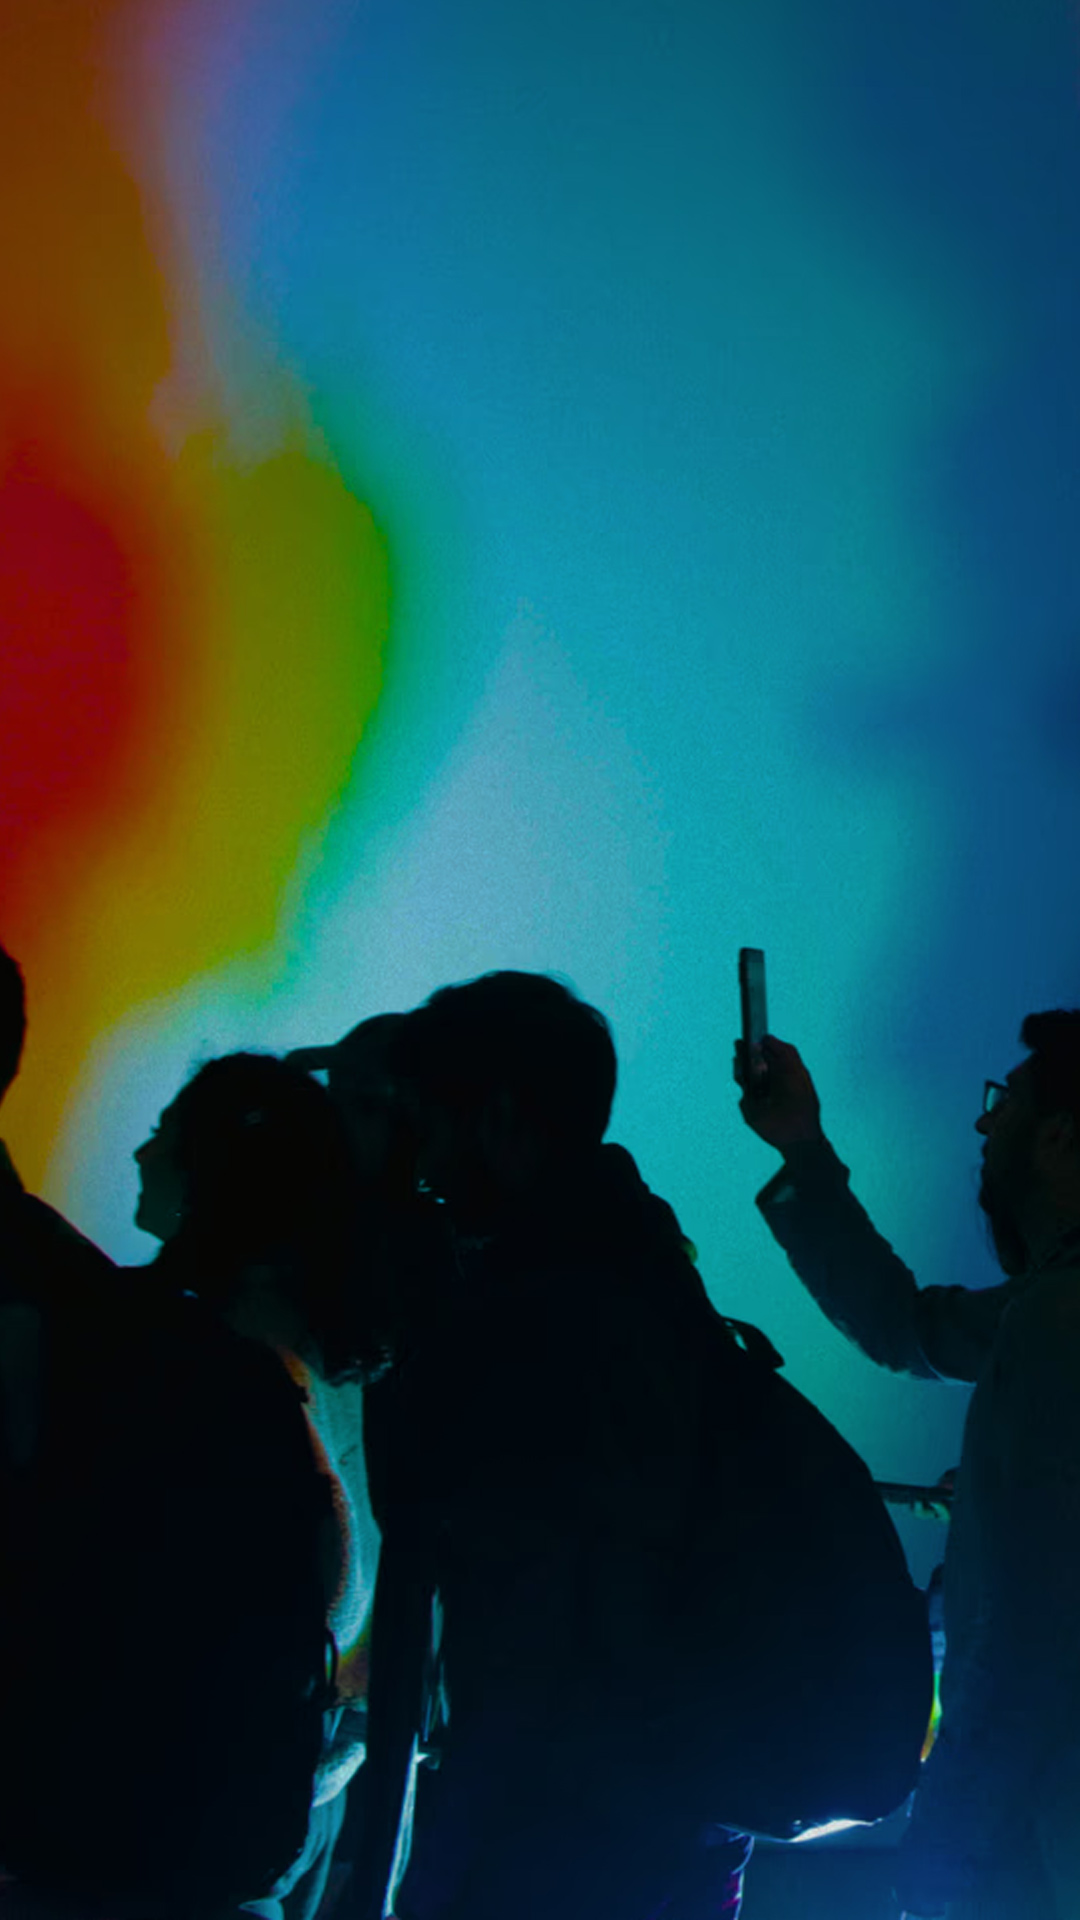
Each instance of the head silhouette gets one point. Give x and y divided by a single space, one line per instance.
1030 1190
12 1019
513 1078
359 1075
250 1169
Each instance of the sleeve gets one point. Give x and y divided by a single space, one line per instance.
1014 1700
864 1288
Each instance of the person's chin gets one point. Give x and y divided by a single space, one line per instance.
144 1220
1011 1256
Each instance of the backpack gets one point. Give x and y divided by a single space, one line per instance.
164 1662
800 1676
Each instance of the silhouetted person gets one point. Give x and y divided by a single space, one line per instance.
404 1253
33 1236
542 1479
365 1090
163 1646
406 1270
250 1183
996 1822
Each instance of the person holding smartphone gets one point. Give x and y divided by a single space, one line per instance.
995 1828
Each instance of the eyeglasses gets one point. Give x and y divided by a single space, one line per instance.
993 1095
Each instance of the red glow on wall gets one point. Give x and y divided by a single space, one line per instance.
67 614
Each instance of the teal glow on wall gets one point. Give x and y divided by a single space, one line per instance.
708 375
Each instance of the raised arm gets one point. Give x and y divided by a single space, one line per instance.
863 1287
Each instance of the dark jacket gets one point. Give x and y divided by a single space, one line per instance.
1011 1683
543 1480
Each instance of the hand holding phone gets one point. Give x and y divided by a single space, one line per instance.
780 1102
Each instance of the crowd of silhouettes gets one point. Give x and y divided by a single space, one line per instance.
413 1534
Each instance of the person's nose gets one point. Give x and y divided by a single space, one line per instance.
983 1123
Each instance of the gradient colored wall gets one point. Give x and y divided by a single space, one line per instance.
566 487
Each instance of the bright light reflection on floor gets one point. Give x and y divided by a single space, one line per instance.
831 1826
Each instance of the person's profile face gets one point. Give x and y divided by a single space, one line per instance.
1007 1189
162 1197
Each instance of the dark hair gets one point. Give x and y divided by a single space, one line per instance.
1054 1042
12 1019
268 1177
526 1034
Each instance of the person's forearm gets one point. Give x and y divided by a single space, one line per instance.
845 1263
937 1333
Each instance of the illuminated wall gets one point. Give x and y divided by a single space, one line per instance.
574 487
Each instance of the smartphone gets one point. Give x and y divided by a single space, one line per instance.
755 1019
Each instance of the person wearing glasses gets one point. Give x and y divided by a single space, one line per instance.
995 1826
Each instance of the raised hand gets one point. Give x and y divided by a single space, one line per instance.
779 1104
